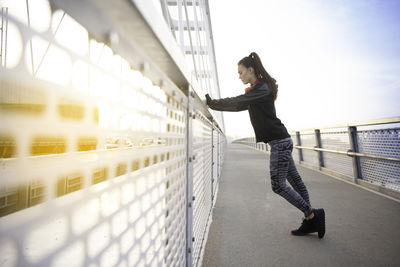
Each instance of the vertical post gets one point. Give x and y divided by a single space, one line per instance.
1 32
219 157
164 8
190 40
189 179
212 161
181 29
203 71
5 39
298 138
354 148
318 144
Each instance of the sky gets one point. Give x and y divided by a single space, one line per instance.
336 62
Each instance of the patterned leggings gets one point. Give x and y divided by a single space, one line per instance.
282 168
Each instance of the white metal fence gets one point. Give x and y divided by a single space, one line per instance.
365 153
106 157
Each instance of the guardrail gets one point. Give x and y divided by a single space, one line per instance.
365 153
108 157
348 153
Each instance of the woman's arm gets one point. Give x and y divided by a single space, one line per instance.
225 104
237 103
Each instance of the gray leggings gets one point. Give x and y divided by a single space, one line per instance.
282 168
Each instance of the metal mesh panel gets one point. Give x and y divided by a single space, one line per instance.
337 139
251 142
215 162
190 25
382 142
309 156
91 176
381 172
221 149
339 163
295 153
201 181
374 139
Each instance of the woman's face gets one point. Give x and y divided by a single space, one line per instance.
246 74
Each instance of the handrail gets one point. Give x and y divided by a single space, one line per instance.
348 153
380 173
366 123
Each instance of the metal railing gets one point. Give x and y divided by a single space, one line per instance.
108 157
190 24
348 153
365 153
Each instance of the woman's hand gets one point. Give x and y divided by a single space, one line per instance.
208 99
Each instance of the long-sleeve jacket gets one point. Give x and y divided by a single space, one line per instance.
260 104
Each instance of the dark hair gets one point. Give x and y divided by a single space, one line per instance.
254 61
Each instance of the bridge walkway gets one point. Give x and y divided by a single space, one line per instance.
251 225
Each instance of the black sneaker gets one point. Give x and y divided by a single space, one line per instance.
307 227
320 221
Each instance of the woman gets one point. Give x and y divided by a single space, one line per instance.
259 100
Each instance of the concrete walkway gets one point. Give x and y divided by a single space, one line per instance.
251 225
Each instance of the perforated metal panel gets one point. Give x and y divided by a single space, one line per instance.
337 139
381 142
221 147
93 154
215 163
369 151
189 22
202 146
309 156
295 152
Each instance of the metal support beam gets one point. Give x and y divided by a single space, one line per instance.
4 29
168 19
188 50
189 2
318 144
213 161
189 180
354 148
141 35
298 139
192 25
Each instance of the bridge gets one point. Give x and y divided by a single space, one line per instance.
109 157
251 225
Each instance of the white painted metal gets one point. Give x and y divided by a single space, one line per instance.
198 46
94 140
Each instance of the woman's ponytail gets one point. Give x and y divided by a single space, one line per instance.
254 61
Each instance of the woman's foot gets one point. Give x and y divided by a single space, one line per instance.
307 227
315 224
320 215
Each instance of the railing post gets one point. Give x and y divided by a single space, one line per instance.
354 148
189 180
298 139
318 143
212 161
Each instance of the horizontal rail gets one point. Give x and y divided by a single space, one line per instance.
380 170
245 142
348 153
366 123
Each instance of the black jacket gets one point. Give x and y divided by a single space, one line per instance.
260 103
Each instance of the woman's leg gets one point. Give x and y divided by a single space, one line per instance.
280 165
296 182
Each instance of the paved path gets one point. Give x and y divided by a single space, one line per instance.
251 225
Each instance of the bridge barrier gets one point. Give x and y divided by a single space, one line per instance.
365 153
108 156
